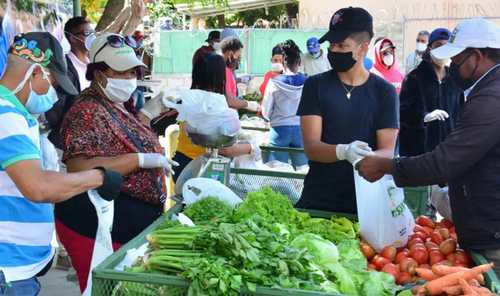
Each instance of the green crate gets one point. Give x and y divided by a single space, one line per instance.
491 278
417 199
106 281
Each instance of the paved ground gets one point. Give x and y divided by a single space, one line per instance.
54 283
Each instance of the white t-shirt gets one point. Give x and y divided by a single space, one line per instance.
81 68
312 66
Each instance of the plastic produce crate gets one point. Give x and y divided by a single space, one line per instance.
106 281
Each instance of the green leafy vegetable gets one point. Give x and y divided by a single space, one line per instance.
207 210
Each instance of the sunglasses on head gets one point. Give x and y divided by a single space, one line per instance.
117 41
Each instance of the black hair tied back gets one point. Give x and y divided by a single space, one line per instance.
291 53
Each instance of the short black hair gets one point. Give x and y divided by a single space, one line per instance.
424 33
231 44
209 73
73 23
363 36
492 53
278 49
291 53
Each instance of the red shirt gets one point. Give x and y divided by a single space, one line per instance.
230 83
269 75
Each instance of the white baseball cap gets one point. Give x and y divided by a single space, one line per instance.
471 33
119 59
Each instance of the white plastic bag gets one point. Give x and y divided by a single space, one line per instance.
441 201
103 246
205 112
199 188
384 218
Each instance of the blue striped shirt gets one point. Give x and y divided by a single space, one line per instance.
26 228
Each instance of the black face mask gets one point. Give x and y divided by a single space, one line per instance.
463 83
341 61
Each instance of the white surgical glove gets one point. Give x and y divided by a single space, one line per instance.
436 115
253 106
353 152
156 160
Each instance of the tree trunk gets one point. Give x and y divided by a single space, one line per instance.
221 20
111 12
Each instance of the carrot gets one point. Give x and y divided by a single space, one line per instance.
453 290
474 283
442 270
426 274
466 287
483 291
435 287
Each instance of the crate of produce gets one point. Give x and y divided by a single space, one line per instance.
141 281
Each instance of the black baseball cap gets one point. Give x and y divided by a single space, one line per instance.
44 49
346 21
214 35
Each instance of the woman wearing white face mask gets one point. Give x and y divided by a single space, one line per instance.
386 64
429 101
98 132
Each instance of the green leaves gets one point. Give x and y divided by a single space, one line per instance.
209 210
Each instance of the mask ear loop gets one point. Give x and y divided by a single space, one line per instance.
25 79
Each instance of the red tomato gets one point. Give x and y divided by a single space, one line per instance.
402 255
422 229
379 262
448 246
436 237
408 265
420 255
391 269
446 223
445 233
404 278
389 252
415 240
367 250
431 245
435 257
461 257
425 221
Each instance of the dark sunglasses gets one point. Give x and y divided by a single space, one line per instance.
117 41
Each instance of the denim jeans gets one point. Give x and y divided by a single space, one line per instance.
28 287
287 136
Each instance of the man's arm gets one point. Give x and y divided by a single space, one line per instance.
315 149
46 186
386 142
235 103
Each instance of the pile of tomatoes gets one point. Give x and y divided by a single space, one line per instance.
431 243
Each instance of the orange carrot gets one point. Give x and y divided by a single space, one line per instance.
426 274
474 283
435 287
453 290
442 270
466 287
483 291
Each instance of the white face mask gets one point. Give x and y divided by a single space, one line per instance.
277 67
388 60
421 47
440 62
217 46
120 90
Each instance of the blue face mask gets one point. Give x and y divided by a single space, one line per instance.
38 104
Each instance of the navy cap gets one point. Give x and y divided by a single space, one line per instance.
346 21
214 35
439 34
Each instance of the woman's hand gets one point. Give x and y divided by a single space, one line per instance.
236 150
156 160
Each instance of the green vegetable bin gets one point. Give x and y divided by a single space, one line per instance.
106 281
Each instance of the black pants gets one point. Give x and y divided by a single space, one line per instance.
183 161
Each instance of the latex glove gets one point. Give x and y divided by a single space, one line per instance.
436 115
253 106
154 107
353 152
156 160
111 184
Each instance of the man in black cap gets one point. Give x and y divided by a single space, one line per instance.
213 45
36 64
345 112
